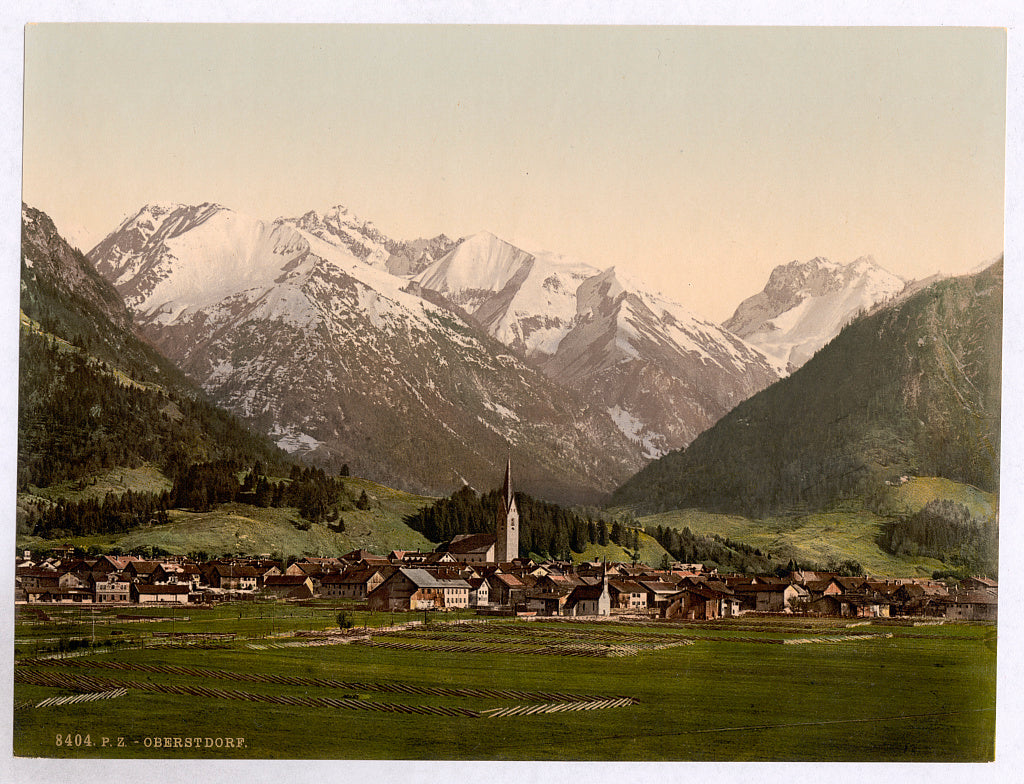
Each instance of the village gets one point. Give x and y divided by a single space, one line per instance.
484 572
464 575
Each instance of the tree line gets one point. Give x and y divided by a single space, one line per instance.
317 496
712 551
544 528
945 530
114 514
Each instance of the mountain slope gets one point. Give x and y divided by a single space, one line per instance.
805 304
91 395
321 347
663 374
913 388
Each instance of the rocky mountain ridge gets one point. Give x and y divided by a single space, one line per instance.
806 303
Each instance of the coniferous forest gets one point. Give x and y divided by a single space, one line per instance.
198 487
544 528
911 389
79 417
947 531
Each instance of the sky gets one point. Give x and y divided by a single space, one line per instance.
697 159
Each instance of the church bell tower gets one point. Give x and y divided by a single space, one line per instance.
507 548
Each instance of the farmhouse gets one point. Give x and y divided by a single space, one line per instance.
505 589
418 589
479 596
702 599
627 595
471 548
972 605
659 594
546 603
589 600
231 577
289 586
156 594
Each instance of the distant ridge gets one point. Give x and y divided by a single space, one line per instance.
662 373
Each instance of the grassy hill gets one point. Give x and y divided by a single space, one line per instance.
912 495
843 531
651 553
249 530
818 538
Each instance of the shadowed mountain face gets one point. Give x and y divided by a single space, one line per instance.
320 346
913 388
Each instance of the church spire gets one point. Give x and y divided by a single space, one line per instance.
507 488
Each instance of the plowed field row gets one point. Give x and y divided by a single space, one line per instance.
298 680
89 685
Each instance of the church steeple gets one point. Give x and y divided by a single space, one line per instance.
507 488
507 548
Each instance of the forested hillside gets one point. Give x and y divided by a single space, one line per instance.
91 396
912 389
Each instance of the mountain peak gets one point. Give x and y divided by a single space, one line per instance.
805 304
476 268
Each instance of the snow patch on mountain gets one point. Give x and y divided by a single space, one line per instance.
481 263
294 441
653 444
500 410
342 228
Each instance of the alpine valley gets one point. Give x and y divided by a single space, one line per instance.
422 363
421 366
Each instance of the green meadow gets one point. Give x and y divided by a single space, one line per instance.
845 530
713 691
242 528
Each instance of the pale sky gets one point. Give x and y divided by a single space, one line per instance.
695 158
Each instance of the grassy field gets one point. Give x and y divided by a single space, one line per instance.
846 531
812 538
722 691
651 552
911 496
144 479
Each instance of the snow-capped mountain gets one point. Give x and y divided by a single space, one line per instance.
408 258
297 325
663 374
805 304
525 300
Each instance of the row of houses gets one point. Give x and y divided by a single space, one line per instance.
455 578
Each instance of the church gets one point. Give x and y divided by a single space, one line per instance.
500 547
